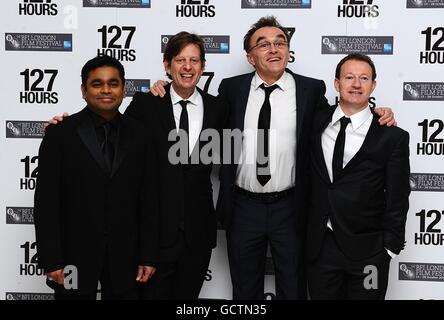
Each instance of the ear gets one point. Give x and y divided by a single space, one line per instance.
373 86
83 89
166 66
337 85
250 59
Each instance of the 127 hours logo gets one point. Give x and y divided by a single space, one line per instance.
429 233
195 8
116 42
431 143
358 9
35 90
29 267
434 47
31 169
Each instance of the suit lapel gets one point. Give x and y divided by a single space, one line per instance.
166 111
322 120
123 141
373 136
241 105
88 136
301 103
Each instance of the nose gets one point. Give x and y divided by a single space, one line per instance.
273 47
106 88
356 82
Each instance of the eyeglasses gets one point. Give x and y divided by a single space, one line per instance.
266 45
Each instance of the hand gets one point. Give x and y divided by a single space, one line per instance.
57 276
158 89
56 119
387 116
144 273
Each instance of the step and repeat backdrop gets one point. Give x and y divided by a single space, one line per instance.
46 42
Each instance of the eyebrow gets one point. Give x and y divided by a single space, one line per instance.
279 36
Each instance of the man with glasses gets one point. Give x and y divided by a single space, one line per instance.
261 202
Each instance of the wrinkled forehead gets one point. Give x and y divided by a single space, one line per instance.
268 34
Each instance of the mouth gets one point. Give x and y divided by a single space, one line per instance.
186 75
355 93
274 59
106 99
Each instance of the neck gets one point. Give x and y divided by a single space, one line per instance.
184 93
351 109
269 79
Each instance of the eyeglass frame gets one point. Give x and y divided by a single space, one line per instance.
282 44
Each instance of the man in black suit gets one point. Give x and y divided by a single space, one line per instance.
91 210
359 191
187 226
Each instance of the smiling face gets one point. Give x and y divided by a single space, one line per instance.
185 69
355 85
104 91
270 63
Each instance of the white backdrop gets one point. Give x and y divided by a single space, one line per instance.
46 42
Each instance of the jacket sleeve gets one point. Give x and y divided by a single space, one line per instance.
397 191
47 202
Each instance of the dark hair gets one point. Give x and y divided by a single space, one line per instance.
102 61
180 41
359 57
269 21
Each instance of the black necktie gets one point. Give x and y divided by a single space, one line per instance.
183 122
338 152
108 145
263 173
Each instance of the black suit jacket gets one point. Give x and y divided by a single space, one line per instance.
309 97
368 203
83 212
185 191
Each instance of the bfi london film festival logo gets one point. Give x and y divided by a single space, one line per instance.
212 44
357 44
432 138
195 8
416 271
38 86
434 46
430 182
423 91
116 42
136 85
38 41
117 3
25 129
358 9
276 4
19 215
419 4
37 8
28 296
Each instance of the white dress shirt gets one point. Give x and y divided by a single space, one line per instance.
195 115
282 137
355 134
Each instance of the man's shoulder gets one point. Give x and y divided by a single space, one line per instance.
305 79
238 78
67 124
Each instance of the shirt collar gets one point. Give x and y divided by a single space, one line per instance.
357 119
175 98
98 121
283 81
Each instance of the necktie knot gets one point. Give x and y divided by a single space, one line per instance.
268 90
183 103
344 122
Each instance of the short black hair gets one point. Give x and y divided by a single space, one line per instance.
358 57
269 21
102 61
178 42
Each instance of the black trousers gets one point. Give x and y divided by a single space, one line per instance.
334 276
254 226
180 276
107 293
